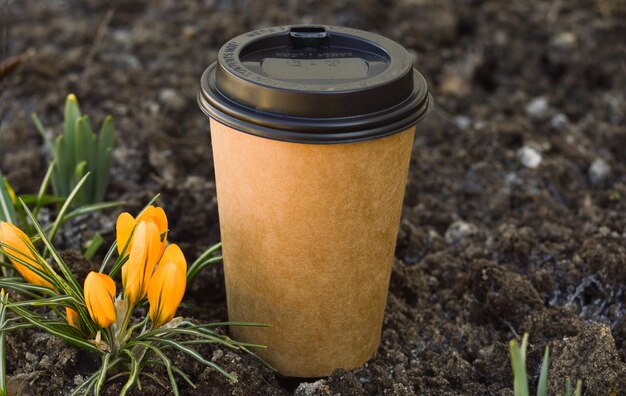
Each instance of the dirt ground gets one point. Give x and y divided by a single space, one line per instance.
515 212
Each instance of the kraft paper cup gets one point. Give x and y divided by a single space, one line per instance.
310 198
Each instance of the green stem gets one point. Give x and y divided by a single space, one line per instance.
121 332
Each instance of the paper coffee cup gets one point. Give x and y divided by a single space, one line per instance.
312 130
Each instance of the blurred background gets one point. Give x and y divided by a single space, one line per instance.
515 213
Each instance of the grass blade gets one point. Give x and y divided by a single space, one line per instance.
194 354
134 373
65 208
579 388
166 363
104 369
518 363
88 383
196 267
542 386
106 140
42 131
60 175
45 183
108 256
91 208
93 246
57 329
7 210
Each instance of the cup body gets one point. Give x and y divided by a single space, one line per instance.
309 233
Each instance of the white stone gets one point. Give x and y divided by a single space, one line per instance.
529 157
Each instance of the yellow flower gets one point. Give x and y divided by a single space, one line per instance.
99 298
72 317
19 247
145 253
126 222
167 286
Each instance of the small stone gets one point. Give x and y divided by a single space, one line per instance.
462 122
312 388
459 230
529 157
217 355
31 357
559 121
172 99
564 40
599 171
537 107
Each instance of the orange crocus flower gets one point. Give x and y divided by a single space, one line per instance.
19 246
99 298
126 222
167 286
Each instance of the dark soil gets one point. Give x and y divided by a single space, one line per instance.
490 247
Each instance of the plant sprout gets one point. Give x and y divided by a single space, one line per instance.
95 317
520 378
79 151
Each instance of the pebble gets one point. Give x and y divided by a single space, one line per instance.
312 388
529 157
537 107
564 40
559 121
172 99
599 171
459 230
462 122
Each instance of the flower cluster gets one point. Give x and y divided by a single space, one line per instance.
94 316
151 267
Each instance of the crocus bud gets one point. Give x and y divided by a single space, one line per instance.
20 247
167 286
72 317
145 253
99 298
126 223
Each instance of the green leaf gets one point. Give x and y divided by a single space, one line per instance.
194 354
60 176
42 131
65 208
18 284
542 386
92 246
134 372
203 261
42 189
31 199
106 140
518 363
87 384
72 114
579 388
103 373
7 209
91 208
61 330
166 363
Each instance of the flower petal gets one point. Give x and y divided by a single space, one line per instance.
124 229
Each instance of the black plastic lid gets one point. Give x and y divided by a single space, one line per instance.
314 84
